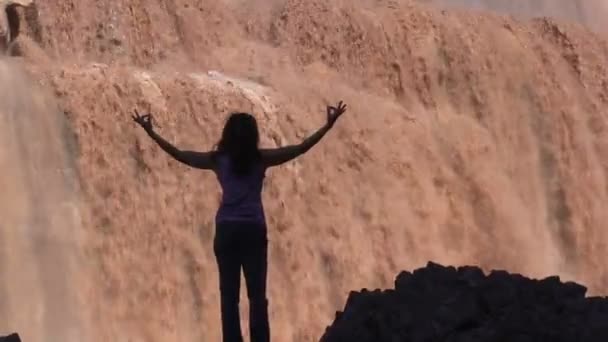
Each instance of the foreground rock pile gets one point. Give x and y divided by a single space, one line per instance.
14 337
438 303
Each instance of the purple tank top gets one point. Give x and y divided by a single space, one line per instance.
241 195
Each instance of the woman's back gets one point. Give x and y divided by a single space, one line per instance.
241 194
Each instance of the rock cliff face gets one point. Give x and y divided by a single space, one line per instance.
470 139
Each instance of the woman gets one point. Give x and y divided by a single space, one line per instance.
240 237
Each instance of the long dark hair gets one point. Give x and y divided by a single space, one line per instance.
239 142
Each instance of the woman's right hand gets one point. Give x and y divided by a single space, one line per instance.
333 113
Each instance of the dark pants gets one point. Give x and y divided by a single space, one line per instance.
243 245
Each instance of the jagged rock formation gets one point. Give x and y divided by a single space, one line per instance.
14 337
438 303
9 21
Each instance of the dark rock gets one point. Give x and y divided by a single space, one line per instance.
403 280
14 337
498 290
460 313
438 272
473 276
573 290
439 303
596 304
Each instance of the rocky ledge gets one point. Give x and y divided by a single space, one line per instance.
14 337
448 304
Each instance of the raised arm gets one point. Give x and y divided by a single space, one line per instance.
200 160
277 156
280 155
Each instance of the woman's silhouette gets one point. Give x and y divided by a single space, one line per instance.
240 236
